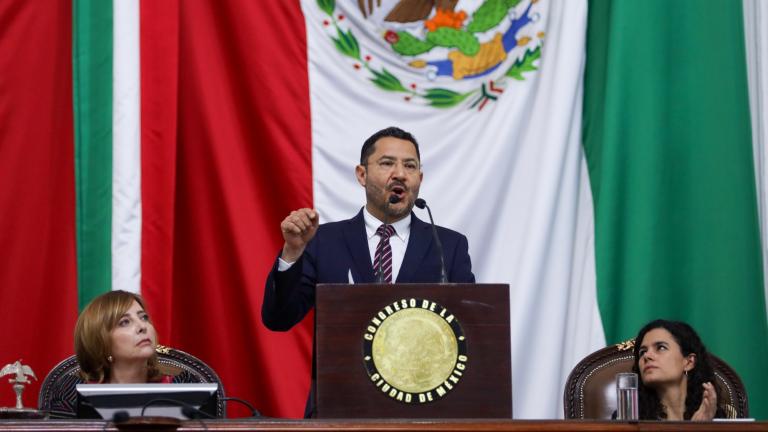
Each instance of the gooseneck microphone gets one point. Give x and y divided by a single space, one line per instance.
120 416
420 203
393 199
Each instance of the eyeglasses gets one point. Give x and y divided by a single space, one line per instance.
386 164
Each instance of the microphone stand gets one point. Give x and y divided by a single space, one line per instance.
420 203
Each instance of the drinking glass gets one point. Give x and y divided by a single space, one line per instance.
626 397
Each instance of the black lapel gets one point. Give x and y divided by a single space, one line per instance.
418 243
357 243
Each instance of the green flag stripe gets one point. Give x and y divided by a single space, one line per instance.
92 88
669 149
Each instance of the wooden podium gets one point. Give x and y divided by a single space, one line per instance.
350 317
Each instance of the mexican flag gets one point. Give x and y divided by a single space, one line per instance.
605 160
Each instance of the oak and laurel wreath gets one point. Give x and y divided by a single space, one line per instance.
347 44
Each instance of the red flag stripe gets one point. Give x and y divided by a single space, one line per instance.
226 153
37 227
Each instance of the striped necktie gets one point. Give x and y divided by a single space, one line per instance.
384 252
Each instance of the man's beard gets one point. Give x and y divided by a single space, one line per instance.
393 214
398 213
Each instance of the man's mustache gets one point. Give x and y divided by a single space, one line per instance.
395 184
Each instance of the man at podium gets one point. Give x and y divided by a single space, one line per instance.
385 242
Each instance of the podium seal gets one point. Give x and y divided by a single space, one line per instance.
414 351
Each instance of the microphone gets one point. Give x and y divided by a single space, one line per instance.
393 199
420 203
120 416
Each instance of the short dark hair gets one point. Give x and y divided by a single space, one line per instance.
690 343
369 146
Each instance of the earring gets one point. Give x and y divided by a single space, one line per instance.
110 359
686 373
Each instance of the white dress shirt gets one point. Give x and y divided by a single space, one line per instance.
398 242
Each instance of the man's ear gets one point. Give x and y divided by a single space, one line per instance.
361 174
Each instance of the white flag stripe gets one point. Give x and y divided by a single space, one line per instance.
511 176
756 36
126 155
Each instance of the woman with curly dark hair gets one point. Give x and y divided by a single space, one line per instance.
676 376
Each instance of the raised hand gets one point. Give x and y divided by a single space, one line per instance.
298 229
708 407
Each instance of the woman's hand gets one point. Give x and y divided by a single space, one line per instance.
708 407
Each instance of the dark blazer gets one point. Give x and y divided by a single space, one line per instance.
341 248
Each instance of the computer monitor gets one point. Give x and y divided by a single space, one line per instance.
167 400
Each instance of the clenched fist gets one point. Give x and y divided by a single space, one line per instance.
298 229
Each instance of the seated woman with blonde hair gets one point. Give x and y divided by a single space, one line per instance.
115 344
676 376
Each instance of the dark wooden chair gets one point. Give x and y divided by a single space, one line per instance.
590 390
170 361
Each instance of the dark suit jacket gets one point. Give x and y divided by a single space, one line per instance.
339 248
